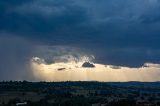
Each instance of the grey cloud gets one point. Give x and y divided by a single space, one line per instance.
118 32
55 54
47 8
88 65
115 67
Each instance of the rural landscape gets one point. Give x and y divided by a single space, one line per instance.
79 93
79 52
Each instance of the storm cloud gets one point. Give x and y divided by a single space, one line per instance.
116 32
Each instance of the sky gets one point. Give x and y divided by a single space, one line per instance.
58 33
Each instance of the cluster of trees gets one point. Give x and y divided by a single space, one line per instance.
77 101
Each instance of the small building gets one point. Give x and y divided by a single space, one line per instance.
21 104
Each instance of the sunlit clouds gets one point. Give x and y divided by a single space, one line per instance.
62 63
73 71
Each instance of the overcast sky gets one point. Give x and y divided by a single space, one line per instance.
116 32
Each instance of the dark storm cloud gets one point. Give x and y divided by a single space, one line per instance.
88 65
118 32
42 19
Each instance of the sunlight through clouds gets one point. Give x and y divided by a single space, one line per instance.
73 71
64 63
